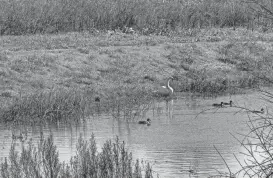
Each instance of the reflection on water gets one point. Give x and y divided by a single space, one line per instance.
177 143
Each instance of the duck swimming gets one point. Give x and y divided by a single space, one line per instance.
230 103
19 137
218 105
258 112
145 122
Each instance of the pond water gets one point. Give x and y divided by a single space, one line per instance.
181 137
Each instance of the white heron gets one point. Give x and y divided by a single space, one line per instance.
167 90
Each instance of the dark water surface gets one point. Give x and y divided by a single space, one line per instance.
176 141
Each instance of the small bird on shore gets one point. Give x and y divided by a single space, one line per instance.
191 171
230 103
217 104
145 122
258 112
97 99
18 137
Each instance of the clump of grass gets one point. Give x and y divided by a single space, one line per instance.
206 82
6 94
46 105
39 84
125 101
202 82
207 86
83 50
3 56
32 162
32 63
76 104
225 50
250 59
43 161
226 60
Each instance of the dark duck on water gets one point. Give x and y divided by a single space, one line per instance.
258 112
145 122
217 104
228 104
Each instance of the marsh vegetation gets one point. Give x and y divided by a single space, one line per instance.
192 144
67 60
50 77
147 17
43 161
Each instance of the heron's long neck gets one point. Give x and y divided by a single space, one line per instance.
168 85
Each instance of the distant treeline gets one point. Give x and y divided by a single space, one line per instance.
52 16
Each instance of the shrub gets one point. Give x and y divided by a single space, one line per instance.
43 161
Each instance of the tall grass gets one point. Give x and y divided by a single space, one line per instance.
208 83
43 161
156 16
45 105
75 104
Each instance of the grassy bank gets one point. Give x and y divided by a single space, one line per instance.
61 75
43 161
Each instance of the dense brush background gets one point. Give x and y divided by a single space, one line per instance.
51 16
